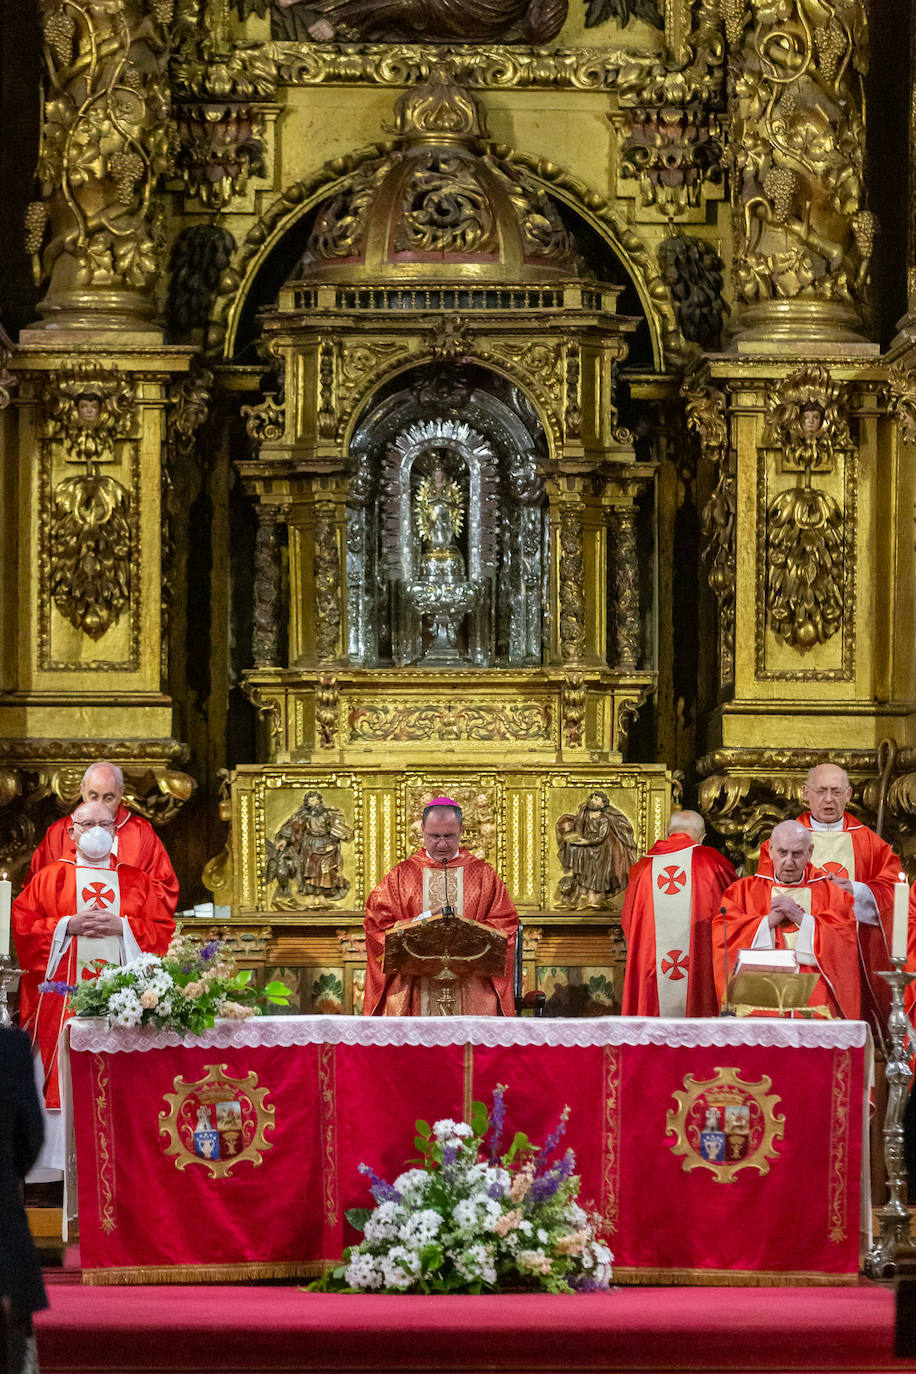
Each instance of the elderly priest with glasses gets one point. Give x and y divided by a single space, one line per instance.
796 907
443 874
74 911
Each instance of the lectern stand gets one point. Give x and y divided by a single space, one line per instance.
445 949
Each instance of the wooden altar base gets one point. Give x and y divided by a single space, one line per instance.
281 1329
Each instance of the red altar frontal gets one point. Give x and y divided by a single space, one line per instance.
718 1151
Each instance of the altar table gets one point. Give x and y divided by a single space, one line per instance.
717 1151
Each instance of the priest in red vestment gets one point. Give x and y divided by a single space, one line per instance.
673 896
862 864
797 906
135 841
74 911
440 873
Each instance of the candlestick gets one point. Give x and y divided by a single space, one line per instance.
6 898
901 917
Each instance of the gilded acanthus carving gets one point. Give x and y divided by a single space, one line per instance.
327 710
326 564
900 394
458 720
190 399
220 146
805 566
693 272
358 363
671 152
806 420
450 339
573 708
104 141
571 583
90 553
706 416
265 422
797 147
89 407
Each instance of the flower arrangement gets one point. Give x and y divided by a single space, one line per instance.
187 989
470 1220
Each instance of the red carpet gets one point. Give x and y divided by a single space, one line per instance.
253 1330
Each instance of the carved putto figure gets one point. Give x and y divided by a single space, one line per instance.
597 848
304 858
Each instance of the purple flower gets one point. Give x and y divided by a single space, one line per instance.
552 1141
449 1155
64 989
497 1122
209 951
380 1190
545 1186
583 1284
496 1190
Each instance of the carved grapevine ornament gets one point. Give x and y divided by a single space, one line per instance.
90 552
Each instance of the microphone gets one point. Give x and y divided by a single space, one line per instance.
726 1011
447 908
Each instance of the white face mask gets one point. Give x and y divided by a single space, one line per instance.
96 843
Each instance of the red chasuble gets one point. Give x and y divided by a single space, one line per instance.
857 853
672 898
747 904
41 905
477 892
137 845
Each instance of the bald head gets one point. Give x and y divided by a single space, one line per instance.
826 793
103 782
687 823
790 849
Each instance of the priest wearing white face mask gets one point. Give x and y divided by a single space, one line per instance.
74 911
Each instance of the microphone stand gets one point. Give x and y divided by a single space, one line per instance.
447 908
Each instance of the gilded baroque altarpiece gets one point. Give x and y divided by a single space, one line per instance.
449 396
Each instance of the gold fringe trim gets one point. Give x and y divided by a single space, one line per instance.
209 1273
729 1278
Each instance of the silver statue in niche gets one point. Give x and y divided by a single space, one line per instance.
447 527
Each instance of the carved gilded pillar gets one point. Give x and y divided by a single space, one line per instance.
105 140
317 544
707 417
802 235
265 640
626 589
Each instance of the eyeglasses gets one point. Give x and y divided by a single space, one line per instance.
91 825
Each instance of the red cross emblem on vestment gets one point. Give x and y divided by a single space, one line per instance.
672 879
674 965
98 896
831 866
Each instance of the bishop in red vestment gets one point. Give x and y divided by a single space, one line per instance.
439 873
135 841
673 896
799 907
74 911
862 864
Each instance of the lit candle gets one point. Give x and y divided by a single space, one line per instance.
901 916
6 898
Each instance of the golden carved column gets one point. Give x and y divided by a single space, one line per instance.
105 140
317 548
802 235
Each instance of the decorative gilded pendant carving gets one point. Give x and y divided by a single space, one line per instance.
805 572
89 408
91 547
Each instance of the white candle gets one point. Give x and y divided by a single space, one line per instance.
6 898
901 917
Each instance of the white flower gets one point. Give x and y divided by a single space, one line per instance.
476 1262
487 1178
477 1213
525 1227
448 1131
412 1185
384 1222
400 1267
421 1228
575 1215
124 1007
363 1271
542 1235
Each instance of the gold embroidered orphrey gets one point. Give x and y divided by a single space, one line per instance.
725 1125
218 1121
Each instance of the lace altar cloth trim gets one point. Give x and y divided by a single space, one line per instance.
93 1036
